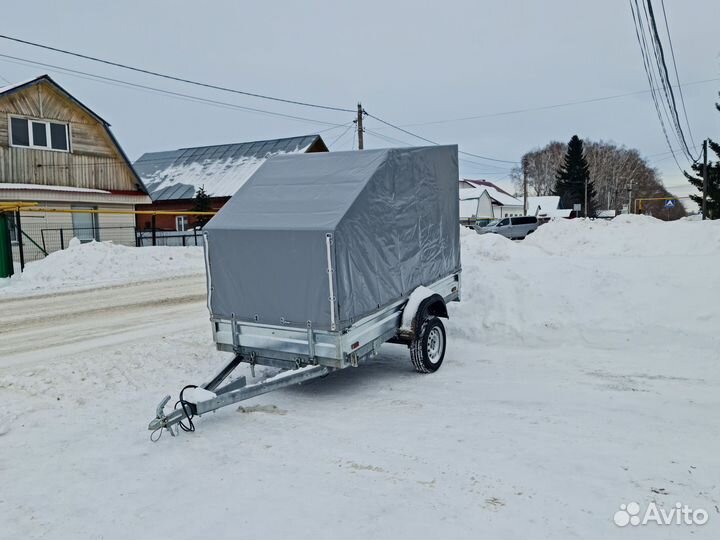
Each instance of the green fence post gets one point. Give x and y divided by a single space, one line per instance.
6 260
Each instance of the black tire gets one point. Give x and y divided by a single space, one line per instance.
427 350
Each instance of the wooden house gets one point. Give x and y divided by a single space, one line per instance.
57 152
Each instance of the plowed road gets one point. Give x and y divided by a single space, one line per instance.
43 328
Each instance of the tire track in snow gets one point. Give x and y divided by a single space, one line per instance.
37 329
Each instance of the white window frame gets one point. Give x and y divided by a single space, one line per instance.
94 219
47 123
185 223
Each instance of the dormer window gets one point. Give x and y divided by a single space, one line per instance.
30 133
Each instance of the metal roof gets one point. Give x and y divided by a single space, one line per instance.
221 169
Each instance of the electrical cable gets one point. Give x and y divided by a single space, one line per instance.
670 112
669 103
187 408
549 107
341 135
677 77
640 35
664 75
393 140
180 95
435 143
173 77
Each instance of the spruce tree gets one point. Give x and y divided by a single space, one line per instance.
202 204
713 174
571 178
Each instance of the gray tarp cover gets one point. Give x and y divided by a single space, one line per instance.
393 216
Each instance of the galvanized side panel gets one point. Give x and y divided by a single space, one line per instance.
279 346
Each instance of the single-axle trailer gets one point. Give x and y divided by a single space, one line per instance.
320 259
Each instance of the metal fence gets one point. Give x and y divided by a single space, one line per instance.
37 232
169 238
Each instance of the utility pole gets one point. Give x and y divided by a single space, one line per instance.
615 196
525 208
705 180
360 126
630 186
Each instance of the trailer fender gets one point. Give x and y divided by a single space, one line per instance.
422 303
433 305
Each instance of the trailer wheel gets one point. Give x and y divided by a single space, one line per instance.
427 350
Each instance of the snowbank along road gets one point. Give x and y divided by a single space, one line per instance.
581 374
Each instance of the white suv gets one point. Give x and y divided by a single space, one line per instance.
514 228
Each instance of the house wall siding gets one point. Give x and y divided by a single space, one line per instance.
179 207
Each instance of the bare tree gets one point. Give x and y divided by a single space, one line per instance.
612 168
541 166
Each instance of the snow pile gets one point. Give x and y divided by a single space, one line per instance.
103 263
411 308
627 235
632 280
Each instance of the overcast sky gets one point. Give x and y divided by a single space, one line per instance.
408 62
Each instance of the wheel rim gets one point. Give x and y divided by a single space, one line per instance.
435 345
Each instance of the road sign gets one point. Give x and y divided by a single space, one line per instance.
670 203
577 207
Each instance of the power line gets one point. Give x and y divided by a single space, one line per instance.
331 128
640 35
658 154
174 77
663 104
349 127
119 82
677 77
435 143
658 55
549 107
179 95
664 75
661 86
111 80
393 140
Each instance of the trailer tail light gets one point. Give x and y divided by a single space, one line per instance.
355 345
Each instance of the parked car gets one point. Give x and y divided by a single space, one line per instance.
514 228
482 222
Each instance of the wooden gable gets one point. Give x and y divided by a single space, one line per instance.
94 161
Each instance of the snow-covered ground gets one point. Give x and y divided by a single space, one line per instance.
581 374
94 264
